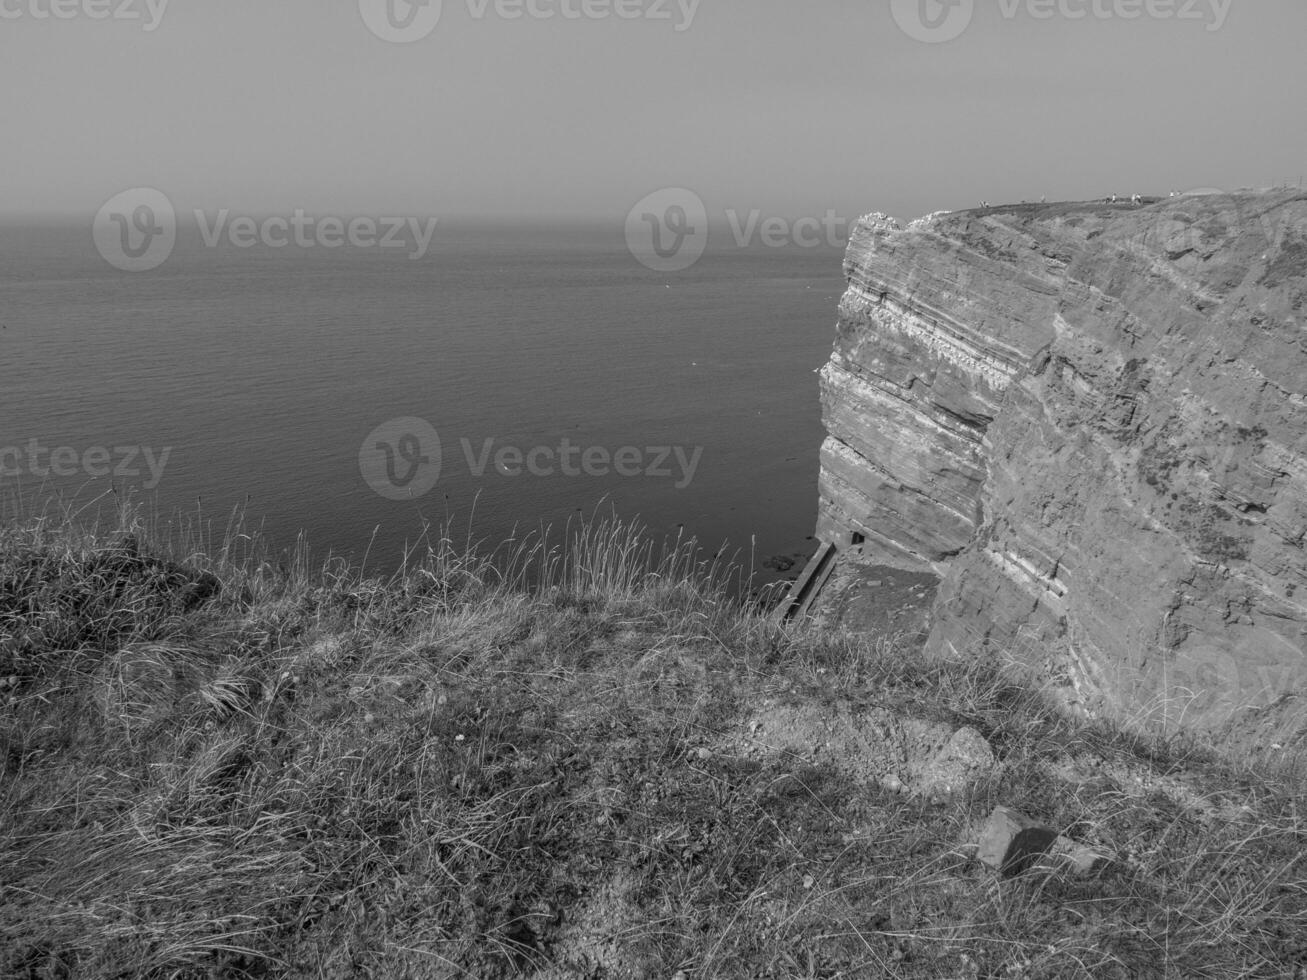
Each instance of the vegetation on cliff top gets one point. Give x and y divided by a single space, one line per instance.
522 765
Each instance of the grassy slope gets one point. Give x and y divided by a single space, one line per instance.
454 774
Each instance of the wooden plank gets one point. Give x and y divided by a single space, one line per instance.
815 574
816 585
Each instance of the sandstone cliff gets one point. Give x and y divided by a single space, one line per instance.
1090 421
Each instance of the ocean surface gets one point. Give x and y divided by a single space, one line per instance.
271 381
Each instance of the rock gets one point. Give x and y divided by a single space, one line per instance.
1092 422
1013 843
1082 858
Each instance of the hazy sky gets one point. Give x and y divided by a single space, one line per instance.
787 106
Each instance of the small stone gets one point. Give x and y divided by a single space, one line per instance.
1012 844
891 783
808 882
1083 858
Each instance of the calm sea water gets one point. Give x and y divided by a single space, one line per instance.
261 373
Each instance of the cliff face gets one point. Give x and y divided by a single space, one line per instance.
1091 422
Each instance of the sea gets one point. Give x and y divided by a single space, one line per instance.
514 377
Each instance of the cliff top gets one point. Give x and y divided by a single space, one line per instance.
1248 201
215 768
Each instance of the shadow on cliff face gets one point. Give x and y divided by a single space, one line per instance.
878 600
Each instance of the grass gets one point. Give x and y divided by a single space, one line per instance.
539 763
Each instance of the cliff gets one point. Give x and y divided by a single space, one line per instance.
1087 420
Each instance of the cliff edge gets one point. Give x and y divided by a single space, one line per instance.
1087 422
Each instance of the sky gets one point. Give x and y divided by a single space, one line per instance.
518 109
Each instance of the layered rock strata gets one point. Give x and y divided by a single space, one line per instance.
1090 421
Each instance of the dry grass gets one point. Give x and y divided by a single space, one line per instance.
513 766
